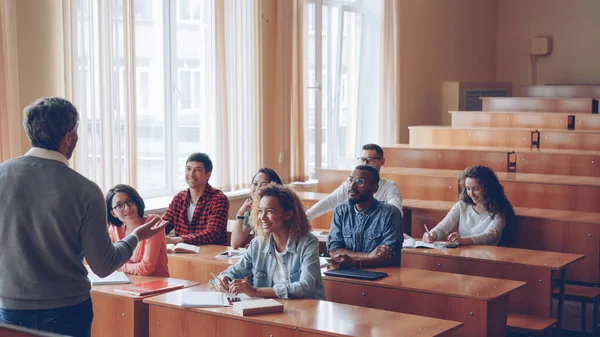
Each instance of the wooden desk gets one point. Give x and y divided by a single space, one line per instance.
197 267
536 268
117 314
538 229
522 189
9 330
548 104
480 303
301 318
570 139
525 119
494 137
576 91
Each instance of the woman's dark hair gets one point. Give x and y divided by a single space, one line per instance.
273 177
132 193
298 226
494 199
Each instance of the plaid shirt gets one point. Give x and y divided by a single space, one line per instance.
209 223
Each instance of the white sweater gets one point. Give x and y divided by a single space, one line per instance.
388 191
481 228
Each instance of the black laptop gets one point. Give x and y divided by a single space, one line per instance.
356 273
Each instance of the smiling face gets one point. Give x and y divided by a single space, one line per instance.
260 180
474 190
195 174
272 216
124 208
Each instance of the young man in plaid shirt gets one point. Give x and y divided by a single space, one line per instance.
199 213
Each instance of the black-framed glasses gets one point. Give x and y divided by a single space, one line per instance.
358 181
121 206
368 160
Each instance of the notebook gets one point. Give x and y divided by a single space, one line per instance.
232 254
117 277
146 288
208 299
412 243
356 273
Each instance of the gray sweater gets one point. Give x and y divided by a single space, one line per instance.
50 218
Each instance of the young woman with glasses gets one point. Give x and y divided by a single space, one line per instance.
125 210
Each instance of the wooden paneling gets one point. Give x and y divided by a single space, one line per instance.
467 119
449 158
539 104
576 163
493 137
573 91
570 140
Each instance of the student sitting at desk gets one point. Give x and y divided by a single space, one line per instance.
242 227
481 211
125 210
365 232
283 258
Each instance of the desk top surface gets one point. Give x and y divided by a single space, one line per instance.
207 253
109 289
502 255
324 317
518 150
440 283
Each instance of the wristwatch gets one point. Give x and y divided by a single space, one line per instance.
240 217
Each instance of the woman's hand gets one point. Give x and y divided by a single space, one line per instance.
429 237
246 206
241 286
221 283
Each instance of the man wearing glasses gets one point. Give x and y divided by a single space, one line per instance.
365 232
372 155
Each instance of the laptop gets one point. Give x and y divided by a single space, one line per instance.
356 273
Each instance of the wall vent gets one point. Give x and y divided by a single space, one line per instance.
472 101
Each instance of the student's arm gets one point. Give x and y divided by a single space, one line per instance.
101 254
170 215
147 266
491 235
445 226
241 230
335 239
310 274
329 202
394 197
216 224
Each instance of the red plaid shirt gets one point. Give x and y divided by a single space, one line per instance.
209 223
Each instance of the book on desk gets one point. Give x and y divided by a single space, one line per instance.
147 288
182 248
116 277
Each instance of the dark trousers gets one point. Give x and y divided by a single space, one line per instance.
75 320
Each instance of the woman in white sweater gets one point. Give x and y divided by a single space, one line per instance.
481 212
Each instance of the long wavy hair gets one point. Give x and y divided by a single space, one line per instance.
298 225
494 199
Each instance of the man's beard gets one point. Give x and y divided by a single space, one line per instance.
362 198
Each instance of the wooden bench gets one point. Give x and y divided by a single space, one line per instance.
519 119
556 161
300 318
585 295
545 104
480 303
529 324
490 137
574 91
570 139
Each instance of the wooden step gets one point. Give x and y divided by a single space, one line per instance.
576 292
529 323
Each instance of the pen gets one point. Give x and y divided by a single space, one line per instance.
426 229
221 282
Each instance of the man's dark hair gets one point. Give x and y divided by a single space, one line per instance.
132 193
371 169
48 120
201 158
375 147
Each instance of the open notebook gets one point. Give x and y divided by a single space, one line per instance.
115 278
412 243
208 299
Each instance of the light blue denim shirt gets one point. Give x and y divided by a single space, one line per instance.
303 272
362 232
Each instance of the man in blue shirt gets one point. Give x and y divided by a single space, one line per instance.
365 232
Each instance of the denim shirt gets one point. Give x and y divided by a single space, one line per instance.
362 232
303 271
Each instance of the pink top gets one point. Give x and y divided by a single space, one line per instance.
149 257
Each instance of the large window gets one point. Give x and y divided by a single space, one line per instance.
340 72
158 103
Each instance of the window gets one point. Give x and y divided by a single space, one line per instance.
336 66
158 102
